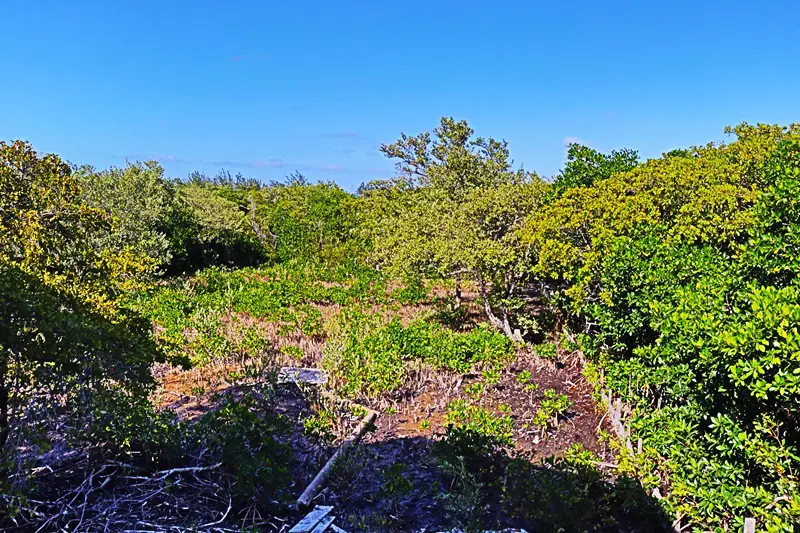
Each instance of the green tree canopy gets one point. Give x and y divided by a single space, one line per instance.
61 320
586 166
454 212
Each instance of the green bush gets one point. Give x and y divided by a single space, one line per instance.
571 494
139 199
193 317
369 359
546 350
310 222
244 436
206 228
551 408
127 425
412 292
702 340
481 421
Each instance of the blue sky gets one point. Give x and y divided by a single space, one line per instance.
265 88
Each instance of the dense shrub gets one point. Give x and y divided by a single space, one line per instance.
586 166
569 493
127 425
310 222
141 202
243 434
205 228
61 325
475 436
701 198
701 339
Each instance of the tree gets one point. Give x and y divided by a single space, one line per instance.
701 339
60 320
703 198
210 223
586 166
139 199
308 222
454 212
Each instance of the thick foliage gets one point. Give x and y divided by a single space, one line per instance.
569 493
61 323
309 222
700 197
586 166
454 213
206 228
242 435
701 337
139 200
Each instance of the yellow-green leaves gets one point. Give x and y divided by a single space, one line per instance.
455 213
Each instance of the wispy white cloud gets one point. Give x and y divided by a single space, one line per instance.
340 169
160 158
254 164
270 163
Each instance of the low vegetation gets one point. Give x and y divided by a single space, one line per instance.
489 314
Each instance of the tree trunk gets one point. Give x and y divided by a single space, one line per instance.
500 323
458 293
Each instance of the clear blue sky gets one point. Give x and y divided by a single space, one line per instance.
267 87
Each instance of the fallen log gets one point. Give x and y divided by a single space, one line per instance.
316 484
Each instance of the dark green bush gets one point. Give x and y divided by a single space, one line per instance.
126 425
571 494
243 436
476 437
412 292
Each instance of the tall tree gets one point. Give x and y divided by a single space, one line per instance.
454 212
139 198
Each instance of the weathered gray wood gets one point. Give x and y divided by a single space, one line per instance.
615 415
324 524
293 374
749 525
316 485
307 524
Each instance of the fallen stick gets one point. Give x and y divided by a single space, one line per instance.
316 484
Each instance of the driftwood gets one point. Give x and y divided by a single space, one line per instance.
316 376
312 519
616 417
316 484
